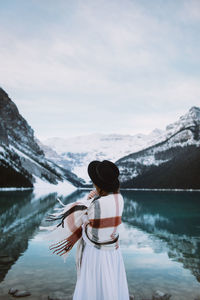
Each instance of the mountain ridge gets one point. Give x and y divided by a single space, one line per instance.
142 159
155 151
21 158
179 147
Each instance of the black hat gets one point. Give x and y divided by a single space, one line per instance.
104 174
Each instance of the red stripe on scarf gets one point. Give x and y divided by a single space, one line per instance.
117 213
71 220
105 222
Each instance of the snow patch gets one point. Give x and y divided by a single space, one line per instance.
42 188
2 149
15 189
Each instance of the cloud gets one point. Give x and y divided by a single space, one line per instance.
191 11
88 58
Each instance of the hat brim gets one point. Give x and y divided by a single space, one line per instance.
97 181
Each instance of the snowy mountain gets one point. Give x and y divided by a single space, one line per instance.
22 161
173 162
76 153
157 160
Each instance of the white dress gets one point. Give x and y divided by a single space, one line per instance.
102 274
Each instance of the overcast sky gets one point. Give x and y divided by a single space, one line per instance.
79 67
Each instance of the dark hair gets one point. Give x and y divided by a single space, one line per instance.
116 190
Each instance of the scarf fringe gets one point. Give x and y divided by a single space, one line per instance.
64 238
65 211
66 245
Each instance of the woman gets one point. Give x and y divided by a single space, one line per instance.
94 224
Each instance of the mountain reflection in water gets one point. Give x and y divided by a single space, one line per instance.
20 217
167 222
172 217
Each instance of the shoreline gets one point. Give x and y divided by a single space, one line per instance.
5 189
15 189
145 189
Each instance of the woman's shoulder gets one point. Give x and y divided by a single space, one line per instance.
114 197
118 195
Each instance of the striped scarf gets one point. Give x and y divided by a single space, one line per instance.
100 216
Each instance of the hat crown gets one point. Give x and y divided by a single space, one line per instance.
104 174
107 171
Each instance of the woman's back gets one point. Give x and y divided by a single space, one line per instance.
102 273
104 216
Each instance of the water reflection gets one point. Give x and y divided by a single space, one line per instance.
155 222
172 217
21 213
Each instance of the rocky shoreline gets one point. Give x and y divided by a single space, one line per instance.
15 292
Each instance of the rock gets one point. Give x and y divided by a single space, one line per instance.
21 293
4 266
4 259
158 295
12 291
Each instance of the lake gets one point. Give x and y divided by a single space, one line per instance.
159 239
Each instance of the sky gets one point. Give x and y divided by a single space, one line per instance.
78 67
